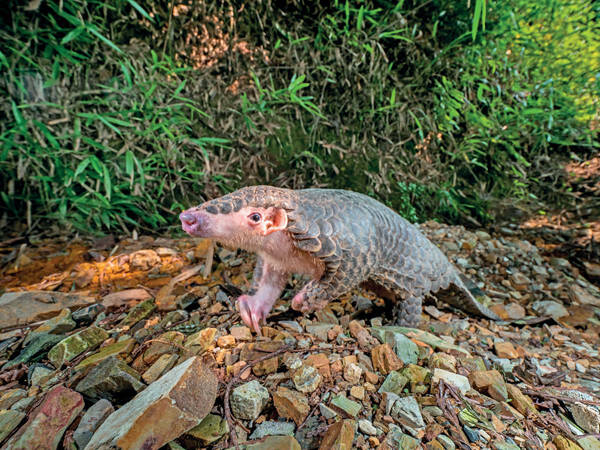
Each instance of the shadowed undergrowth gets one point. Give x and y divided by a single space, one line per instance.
118 114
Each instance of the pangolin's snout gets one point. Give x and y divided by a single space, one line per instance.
194 221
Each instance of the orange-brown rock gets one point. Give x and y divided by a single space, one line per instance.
291 404
385 359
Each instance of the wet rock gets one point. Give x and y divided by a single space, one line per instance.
91 420
549 308
48 421
460 382
306 379
211 429
248 400
123 347
112 379
170 406
9 420
60 324
18 308
37 349
339 436
291 404
76 344
343 403
271 428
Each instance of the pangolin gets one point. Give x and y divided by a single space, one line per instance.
339 238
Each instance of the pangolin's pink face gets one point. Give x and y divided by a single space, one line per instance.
235 228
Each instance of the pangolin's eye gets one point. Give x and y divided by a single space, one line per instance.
255 217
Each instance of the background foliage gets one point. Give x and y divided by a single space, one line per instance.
115 115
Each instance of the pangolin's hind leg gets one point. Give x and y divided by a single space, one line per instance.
407 311
406 308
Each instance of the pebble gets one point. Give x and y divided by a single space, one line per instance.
248 400
272 428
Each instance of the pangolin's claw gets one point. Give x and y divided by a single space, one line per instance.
252 313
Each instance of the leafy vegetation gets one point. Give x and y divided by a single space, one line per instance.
118 114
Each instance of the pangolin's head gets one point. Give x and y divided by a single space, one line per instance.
240 217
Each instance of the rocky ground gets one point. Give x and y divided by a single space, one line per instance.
137 344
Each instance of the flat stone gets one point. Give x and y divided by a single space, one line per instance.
520 401
211 429
407 411
60 324
161 365
139 312
583 296
48 421
505 350
326 411
91 420
123 347
36 350
165 343
10 397
586 443
18 308
441 360
447 443
128 297
291 325
514 311
248 400
85 316
319 330
167 408
9 420
201 341
273 443
75 345
460 382
350 407
366 427
255 350
420 335
272 428
306 379
549 308
112 379
241 333
586 416
39 375
339 436
489 382
394 383
385 359
405 349
291 404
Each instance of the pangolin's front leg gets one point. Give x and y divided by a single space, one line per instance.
317 293
407 311
267 285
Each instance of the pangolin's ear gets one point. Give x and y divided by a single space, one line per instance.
275 220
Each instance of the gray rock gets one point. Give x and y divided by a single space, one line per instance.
37 349
589 443
350 407
291 325
460 382
91 420
60 324
112 379
272 428
406 349
248 400
306 379
549 308
326 411
366 427
446 442
319 330
407 411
